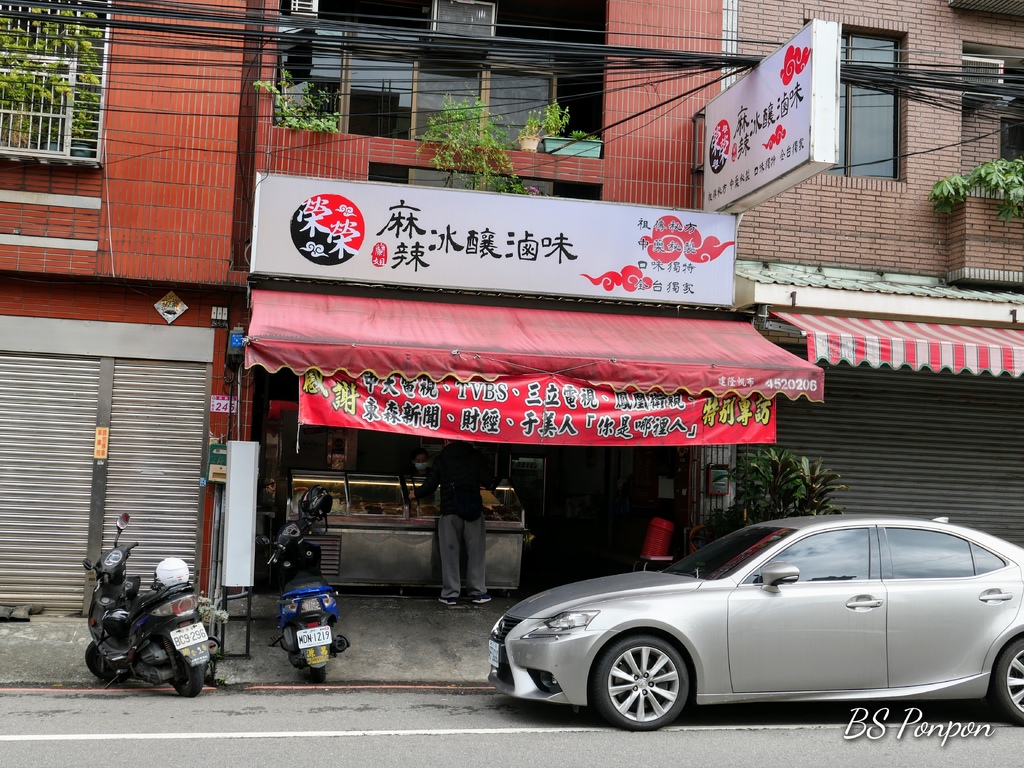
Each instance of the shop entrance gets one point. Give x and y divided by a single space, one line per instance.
586 508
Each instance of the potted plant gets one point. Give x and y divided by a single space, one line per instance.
549 122
470 145
772 483
578 144
301 107
530 133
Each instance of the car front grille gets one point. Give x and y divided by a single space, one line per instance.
506 625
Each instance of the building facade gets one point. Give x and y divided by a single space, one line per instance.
128 227
117 294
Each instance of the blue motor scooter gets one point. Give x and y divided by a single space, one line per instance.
307 609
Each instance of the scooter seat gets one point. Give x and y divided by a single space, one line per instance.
306 582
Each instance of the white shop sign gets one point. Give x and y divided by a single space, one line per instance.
776 126
402 235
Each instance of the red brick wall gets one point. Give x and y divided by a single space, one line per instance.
649 157
167 183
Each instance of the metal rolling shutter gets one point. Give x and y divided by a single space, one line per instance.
47 430
157 432
922 443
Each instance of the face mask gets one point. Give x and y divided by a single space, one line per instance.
421 465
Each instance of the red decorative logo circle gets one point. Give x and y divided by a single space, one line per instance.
328 229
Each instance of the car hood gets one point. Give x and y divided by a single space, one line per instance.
552 601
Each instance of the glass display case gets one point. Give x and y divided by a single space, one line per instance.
502 508
377 536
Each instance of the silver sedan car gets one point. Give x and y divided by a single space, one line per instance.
839 607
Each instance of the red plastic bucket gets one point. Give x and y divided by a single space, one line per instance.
658 539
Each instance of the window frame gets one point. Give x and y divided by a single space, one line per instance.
342 86
873 574
887 560
846 113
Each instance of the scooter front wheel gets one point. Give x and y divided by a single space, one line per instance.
191 682
318 675
97 664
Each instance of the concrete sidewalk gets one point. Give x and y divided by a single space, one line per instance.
393 640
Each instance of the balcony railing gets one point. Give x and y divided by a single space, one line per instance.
46 115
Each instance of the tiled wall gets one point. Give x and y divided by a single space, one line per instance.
861 222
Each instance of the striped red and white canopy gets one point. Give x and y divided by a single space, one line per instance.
900 343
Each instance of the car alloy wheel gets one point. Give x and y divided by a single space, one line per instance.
1006 690
640 683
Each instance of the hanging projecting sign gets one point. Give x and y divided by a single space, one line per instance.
777 126
396 234
529 410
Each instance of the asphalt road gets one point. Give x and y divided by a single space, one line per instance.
470 726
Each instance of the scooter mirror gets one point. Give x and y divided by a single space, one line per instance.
122 521
262 540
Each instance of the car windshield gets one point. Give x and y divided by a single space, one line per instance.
722 557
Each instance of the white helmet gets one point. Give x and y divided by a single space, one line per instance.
172 571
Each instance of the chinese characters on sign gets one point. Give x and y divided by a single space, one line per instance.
776 126
443 238
532 410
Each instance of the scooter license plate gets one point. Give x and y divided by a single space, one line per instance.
190 635
313 636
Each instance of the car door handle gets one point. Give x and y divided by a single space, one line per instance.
994 596
863 601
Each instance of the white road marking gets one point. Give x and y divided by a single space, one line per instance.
349 734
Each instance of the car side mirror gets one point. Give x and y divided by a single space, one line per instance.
776 573
262 540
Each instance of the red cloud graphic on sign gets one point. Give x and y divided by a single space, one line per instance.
776 138
670 238
796 60
631 278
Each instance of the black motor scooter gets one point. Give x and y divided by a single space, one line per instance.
155 636
307 609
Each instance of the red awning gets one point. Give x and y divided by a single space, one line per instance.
303 331
899 343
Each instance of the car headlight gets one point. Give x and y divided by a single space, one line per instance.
571 620
563 622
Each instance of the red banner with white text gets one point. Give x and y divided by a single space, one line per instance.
542 409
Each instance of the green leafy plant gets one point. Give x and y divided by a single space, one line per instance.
772 483
1001 179
36 58
306 107
470 145
533 128
550 121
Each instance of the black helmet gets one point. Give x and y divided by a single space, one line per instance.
316 502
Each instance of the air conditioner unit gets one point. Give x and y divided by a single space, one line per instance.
982 77
305 7
463 17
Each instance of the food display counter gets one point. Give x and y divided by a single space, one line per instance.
375 536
